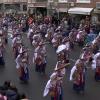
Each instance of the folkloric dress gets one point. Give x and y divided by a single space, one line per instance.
96 66
39 59
54 88
22 66
78 77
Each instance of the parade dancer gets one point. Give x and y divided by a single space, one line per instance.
80 37
50 32
16 45
66 41
2 38
57 39
87 54
78 77
5 33
62 53
39 58
22 64
30 34
54 87
96 66
59 69
72 38
96 44
37 38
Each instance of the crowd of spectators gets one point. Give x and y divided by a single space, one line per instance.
8 91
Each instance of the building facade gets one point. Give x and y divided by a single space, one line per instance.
61 5
13 5
47 7
95 4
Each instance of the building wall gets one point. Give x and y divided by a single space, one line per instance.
91 5
31 1
12 1
18 5
56 4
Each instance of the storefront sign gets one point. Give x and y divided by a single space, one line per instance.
83 1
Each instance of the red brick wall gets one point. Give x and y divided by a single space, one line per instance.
91 5
64 5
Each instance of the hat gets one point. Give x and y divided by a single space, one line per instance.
61 48
80 32
36 36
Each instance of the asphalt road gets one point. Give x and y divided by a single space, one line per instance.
34 89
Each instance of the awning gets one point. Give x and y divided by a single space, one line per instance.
78 10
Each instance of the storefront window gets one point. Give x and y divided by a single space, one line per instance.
12 6
24 7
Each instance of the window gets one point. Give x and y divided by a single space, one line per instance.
24 7
12 6
83 1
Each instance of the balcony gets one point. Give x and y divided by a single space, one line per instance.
13 1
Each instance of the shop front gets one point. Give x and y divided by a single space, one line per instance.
38 8
15 7
79 13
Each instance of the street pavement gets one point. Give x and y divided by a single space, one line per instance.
34 89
